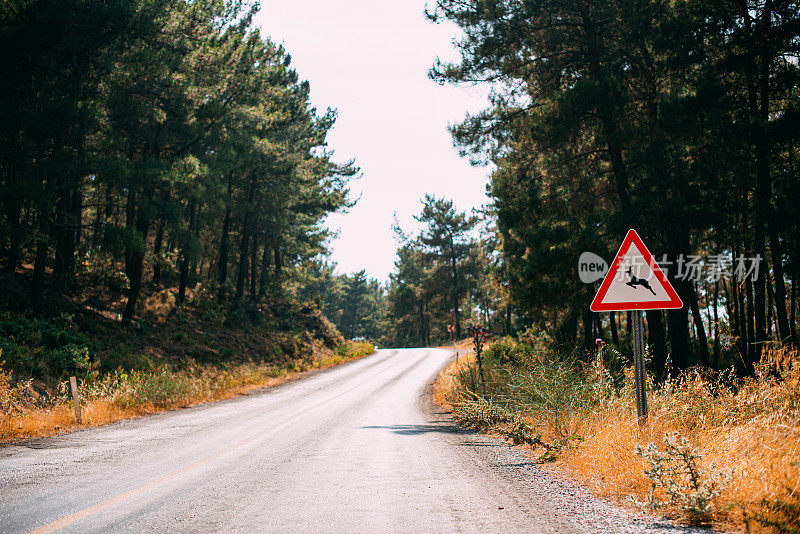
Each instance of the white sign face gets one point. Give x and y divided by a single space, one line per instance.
635 282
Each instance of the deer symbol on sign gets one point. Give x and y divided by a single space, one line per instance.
638 282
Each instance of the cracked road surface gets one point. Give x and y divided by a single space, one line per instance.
357 448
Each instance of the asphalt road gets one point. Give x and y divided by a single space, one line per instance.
358 448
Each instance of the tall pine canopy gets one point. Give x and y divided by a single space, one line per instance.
168 137
679 119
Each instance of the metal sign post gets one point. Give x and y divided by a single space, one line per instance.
452 329
639 366
478 337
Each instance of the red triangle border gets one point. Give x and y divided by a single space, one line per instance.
599 306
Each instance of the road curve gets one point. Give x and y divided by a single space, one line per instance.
357 448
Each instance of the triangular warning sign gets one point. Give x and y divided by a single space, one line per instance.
634 281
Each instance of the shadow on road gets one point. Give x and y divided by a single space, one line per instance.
413 430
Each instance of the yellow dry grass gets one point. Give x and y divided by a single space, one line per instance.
754 432
761 452
209 385
445 382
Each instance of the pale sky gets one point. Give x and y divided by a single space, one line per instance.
369 59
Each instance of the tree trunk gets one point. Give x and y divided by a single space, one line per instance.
14 210
770 306
752 346
11 200
185 250
222 262
587 327
184 275
784 330
739 309
68 209
254 269
700 329
793 318
657 338
454 292
629 328
42 246
98 216
757 76
421 307
426 323
157 253
40 259
77 217
135 266
264 282
744 340
598 325
278 264
244 254
678 245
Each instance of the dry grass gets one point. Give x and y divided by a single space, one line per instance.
122 396
753 430
446 381
755 433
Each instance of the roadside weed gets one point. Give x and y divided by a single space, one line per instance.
676 471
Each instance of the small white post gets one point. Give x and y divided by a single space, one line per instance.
76 398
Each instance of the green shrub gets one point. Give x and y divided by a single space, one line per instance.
237 317
483 414
45 348
546 384
102 270
70 360
162 388
121 357
504 351
676 471
354 349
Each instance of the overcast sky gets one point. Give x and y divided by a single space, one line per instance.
369 60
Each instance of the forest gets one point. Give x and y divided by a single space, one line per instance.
168 138
152 145
164 180
678 119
